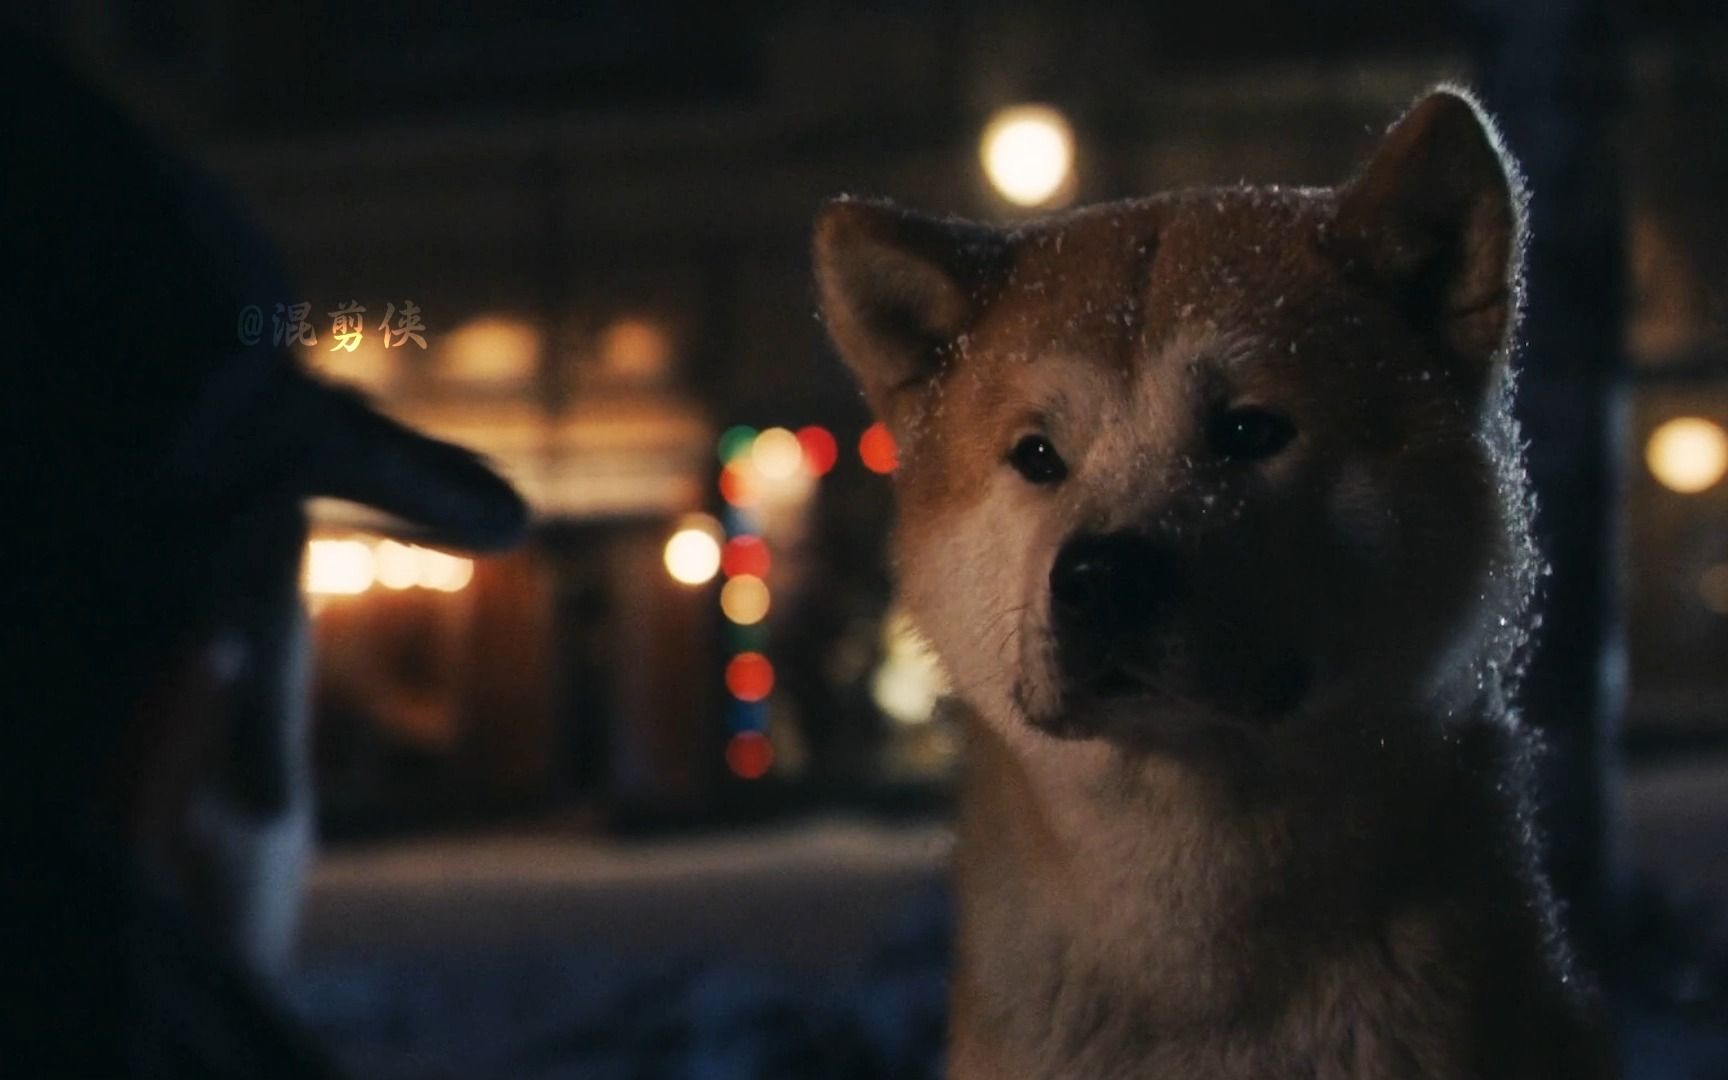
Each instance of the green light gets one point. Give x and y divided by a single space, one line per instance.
735 440
751 638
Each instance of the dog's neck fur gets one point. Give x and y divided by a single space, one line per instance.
1119 911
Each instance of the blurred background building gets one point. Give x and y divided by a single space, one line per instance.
601 213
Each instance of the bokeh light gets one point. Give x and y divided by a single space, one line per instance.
351 567
746 715
733 441
737 639
1688 454
877 450
1028 154
634 348
776 453
737 485
491 350
693 555
910 682
750 677
745 555
745 600
338 568
820 449
398 565
444 573
749 755
741 521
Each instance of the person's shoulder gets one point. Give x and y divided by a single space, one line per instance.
111 979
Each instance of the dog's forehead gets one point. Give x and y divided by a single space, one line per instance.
1140 286
1246 258
1075 286
1127 301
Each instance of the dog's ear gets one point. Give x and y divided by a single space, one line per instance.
896 290
1437 219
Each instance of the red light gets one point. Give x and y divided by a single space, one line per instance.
749 754
750 677
820 449
745 555
876 448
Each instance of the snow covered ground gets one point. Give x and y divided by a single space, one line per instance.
812 895
809 949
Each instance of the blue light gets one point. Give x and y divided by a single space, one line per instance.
747 716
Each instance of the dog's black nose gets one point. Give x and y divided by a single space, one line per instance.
1106 587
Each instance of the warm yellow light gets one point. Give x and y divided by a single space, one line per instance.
338 568
635 349
445 573
369 363
909 683
777 454
490 350
1028 154
744 600
398 565
693 556
1688 454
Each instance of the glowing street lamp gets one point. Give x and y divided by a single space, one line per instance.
1688 454
1028 154
692 555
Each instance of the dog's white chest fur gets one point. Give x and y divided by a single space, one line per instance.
1115 925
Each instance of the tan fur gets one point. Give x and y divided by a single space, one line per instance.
1300 847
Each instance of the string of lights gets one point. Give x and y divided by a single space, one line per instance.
760 471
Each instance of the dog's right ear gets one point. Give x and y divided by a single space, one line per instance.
1437 219
896 290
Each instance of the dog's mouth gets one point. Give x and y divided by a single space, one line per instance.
1119 681
1128 701
1091 700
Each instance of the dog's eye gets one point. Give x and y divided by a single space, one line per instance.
1035 459
1249 434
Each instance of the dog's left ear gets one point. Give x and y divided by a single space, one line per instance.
1436 219
897 288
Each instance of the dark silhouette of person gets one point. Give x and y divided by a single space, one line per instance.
158 459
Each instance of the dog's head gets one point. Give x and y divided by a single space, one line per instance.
1210 459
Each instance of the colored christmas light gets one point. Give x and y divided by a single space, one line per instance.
876 449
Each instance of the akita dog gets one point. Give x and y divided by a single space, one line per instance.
1212 506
